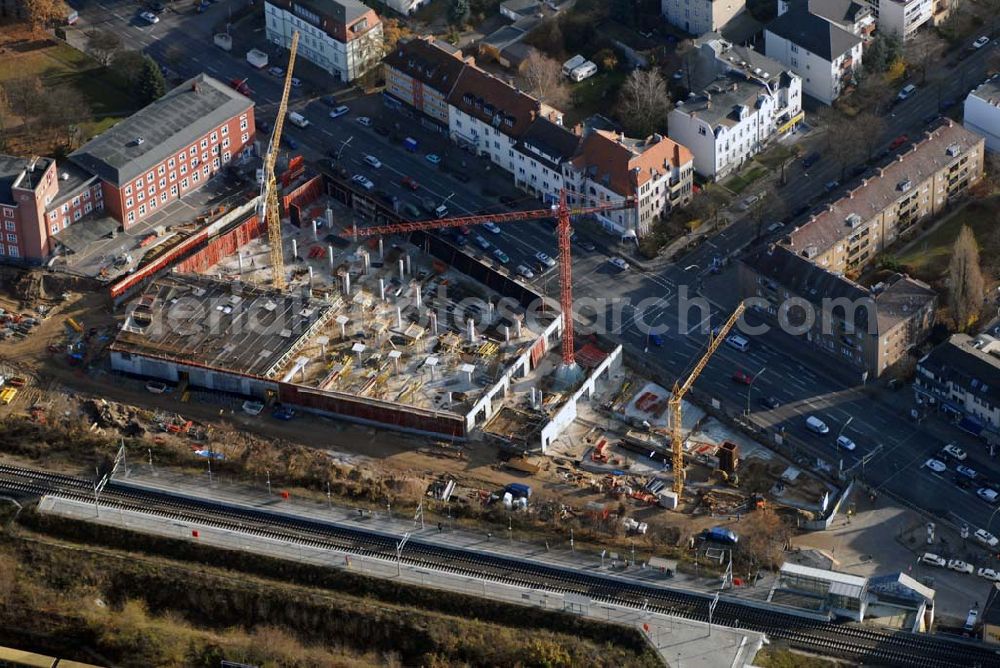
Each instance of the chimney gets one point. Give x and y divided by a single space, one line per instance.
195 86
533 114
677 154
578 129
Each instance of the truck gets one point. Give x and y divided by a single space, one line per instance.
297 119
240 86
257 58
518 489
410 144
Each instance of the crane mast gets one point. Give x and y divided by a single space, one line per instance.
268 203
677 444
560 211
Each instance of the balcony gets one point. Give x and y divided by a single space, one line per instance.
847 64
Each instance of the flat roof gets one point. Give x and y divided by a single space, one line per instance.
843 584
183 115
235 327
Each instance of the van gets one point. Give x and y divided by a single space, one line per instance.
297 119
738 342
933 560
441 211
588 69
817 426
907 91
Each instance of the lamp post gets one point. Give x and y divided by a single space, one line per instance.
750 387
841 432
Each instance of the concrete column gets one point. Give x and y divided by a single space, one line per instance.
434 323
347 284
402 274
329 252
409 268
295 249
506 334
416 294
366 259
399 318
381 289
239 260
381 249
517 327
315 230
329 218
310 273
489 313
472 330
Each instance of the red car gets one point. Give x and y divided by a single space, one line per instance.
410 183
898 141
742 377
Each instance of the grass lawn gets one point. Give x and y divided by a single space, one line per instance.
595 95
745 179
774 156
59 65
928 258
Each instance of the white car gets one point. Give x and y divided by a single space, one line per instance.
986 538
981 42
986 494
373 161
363 181
252 407
932 559
960 566
524 271
492 227
296 82
365 121
433 158
967 471
149 17
988 574
482 242
936 465
545 259
276 71
846 443
156 387
955 452
340 111
618 262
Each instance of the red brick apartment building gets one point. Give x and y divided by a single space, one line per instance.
157 155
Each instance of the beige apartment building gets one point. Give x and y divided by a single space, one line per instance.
919 183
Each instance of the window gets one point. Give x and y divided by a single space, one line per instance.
702 131
12 251
88 207
225 143
86 195
12 238
184 184
98 194
793 48
215 163
65 208
184 168
128 190
173 190
53 214
243 124
149 177
172 176
163 184
214 137
142 209
11 227
9 213
204 157
152 203
204 143
76 202
171 163
193 152
204 170
160 170
77 215
225 157
139 182
163 198
129 203
195 177
244 138
131 216
215 150
194 164
55 229
140 196
152 190
225 130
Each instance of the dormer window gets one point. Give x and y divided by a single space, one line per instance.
467 99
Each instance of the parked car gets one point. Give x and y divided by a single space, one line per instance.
340 111
492 227
846 443
988 495
898 141
988 574
363 181
770 402
656 340
296 82
986 538
410 182
936 465
433 158
524 271
500 256
981 42
482 242
932 559
365 121
960 566
276 71
252 407
618 262
737 342
373 161
967 471
149 17
156 387
586 245
955 452
817 426
545 259
283 413
742 377
810 160
906 92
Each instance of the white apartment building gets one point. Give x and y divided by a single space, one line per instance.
824 55
539 157
904 17
344 37
698 17
406 7
854 16
657 171
746 100
982 112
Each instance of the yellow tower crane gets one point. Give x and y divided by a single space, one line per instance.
267 207
678 395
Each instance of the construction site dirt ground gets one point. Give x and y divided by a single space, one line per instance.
64 389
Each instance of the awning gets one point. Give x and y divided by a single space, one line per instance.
949 407
791 122
971 425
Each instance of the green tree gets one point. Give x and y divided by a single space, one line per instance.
150 86
965 280
103 44
624 11
884 50
458 12
129 65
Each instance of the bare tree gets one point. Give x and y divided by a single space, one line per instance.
842 140
25 97
64 109
103 44
644 103
966 286
869 129
541 77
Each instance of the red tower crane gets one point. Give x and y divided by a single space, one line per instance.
560 211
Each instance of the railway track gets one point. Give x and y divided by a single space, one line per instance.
847 640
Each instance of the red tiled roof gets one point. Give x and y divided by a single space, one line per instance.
623 164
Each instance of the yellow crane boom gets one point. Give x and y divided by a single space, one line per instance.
268 206
677 443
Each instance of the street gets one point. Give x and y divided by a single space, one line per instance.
803 383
